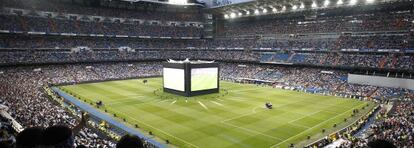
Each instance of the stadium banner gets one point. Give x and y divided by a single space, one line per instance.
121 36
220 3
4 31
381 81
36 33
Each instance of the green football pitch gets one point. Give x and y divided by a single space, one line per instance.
235 117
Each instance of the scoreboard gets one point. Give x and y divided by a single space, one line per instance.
190 78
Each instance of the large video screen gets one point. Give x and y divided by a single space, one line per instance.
173 78
204 78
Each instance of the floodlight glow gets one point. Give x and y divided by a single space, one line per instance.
370 1
340 2
256 11
294 7
284 8
274 10
226 16
352 2
240 14
232 15
302 6
247 12
264 10
178 2
326 3
314 4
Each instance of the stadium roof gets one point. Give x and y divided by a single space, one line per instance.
170 2
265 7
189 61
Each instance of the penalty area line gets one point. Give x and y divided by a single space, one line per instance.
252 131
202 105
173 102
217 103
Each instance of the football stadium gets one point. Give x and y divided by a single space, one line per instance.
206 73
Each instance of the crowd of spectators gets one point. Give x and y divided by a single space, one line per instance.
68 7
331 82
21 91
347 59
65 25
398 61
61 56
395 126
377 21
68 42
21 88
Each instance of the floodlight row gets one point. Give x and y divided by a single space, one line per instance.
295 7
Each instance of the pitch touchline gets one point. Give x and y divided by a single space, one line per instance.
130 100
245 90
316 126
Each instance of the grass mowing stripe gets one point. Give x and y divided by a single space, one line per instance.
318 125
252 131
163 132
188 120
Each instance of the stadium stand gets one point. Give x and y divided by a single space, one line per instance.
314 55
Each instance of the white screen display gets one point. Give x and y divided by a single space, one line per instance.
173 78
204 78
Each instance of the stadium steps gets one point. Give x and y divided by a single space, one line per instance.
372 92
337 59
291 57
323 60
23 23
76 23
339 86
394 60
382 62
52 25
99 27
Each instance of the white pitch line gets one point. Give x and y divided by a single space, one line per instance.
217 103
125 101
245 90
305 116
202 105
315 126
173 102
237 99
299 125
220 100
163 101
254 109
252 131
